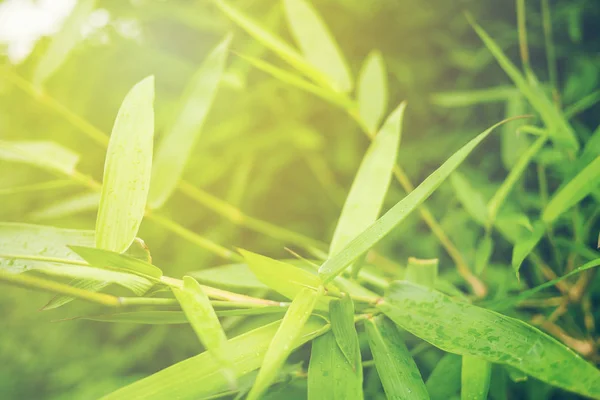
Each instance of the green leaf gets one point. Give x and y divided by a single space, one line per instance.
341 312
384 225
199 376
512 142
560 130
282 344
109 259
515 174
300 83
330 376
422 272
470 198
397 370
474 97
576 189
317 44
367 194
372 91
25 247
231 276
63 42
475 378
525 245
444 380
127 170
483 253
84 284
506 303
78 203
466 329
181 135
204 321
274 43
40 153
282 277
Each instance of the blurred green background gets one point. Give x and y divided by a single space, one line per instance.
275 152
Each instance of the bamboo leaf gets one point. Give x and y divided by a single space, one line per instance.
422 272
397 370
374 233
84 284
372 91
576 189
282 344
317 44
474 97
232 276
444 380
127 170
294 80
475 378
282 277
525 245
248 352
63 42
40 153
272 42
367 194
178 141
204 321
560 130
341 312
108 259
465 329
330 376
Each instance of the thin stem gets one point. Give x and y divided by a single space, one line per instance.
522 28
550 51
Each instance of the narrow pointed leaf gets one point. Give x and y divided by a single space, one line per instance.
560 130
367 194
206 324
525 245
272 42
330 376
466 329
576 189
127 170
475 378
232 276
372 91
248 352
444 380
384 225
483 253
180 137
282 277
397 370
108 259
341 312
63 42
317 44
85 284
39 153
282 344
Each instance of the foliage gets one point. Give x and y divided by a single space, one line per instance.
266 155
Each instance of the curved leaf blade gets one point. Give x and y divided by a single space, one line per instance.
317 44
178 142
372 91
397 370
465 329
127 170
